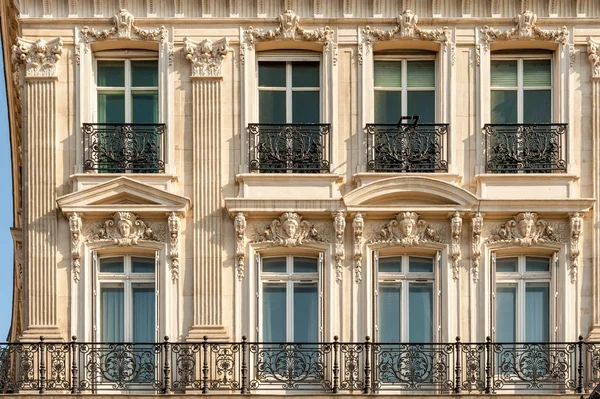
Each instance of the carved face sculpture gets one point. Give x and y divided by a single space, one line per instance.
526 226
576 223
406 226
290 228
456 224
477 224
124 227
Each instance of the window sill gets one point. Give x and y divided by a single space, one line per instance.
527 186
82 181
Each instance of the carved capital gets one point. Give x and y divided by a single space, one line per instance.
239 225
75 230
594 57
124 28
38 58
206 57
524 229
576 222
358 226
455 253
407 230
339 226
290 230
476 230
174 224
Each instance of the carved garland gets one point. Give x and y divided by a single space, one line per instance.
455 252
576 226
239 225
358 225
290 230
206 57
525 229
593 51
38 58
477 229
339 226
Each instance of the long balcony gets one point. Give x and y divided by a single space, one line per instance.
123 148
289 148
526 148
328 367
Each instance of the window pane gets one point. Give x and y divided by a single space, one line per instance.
504 73
305 74
537 106
534 264
144 73
389 312
111 73
388 74
420 73
421 103
145 107
306 313
111 265
537 313
305 265
420 265
111 107
390 265
306 107
506 313
271 106
506 265
388 106
274 313
143 313
271 74
142 265
112 311
273 265
504 106
420 298
537 73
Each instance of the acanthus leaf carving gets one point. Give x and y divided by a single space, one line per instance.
124 229
358 225
206 57
477 229
239 225
174 224
574 240
290 230
455 252
38 58
593 51
525 229
339 227
75 230
406 229
125 28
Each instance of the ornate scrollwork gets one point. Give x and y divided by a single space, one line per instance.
455 252
239 225
174 223
125 28
290 230
39 58
406 230
75 229
477 229
576 227
339 226
124 229
206 57
358 225
525 229
593 51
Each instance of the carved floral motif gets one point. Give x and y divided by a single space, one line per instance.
239 225
358 225
290 230
206 57
477 229
593 51
455 253
39 58
406 230
576 227
525 229
75 229
125 28
124 229
339 226
174 224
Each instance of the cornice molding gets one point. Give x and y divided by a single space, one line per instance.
206 56
38 58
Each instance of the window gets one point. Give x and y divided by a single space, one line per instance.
290 298
521 90
405 304
404 87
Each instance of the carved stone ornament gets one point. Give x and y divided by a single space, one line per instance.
525 229
290 29
358 225
525 29
455 253
290 230
339 226
174 223
124 229
38 58
477 229
594 56
75 229
406 230
239 225
576 227
206 57
125 28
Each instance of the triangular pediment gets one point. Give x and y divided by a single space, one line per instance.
124 194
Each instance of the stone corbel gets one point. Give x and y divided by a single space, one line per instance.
339 226
476 230
239 225
39 59
124 28
75 229
576 226
358 225
174 223
455 252
594 57
206 57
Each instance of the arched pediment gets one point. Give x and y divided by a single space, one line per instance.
409 191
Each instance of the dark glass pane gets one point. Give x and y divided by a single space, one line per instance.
112 309
271 74
537 106
305 74
537 312
388 106
306 107
306 312
111 265
537 73
390 265
420 312
144 73
420 265
504 106
144 326
271 106
389 312
145 107
274 313
535 264
305 265
506 265
504 73
506 313
142 265
111 107
274 265
111 73
421 103
388 74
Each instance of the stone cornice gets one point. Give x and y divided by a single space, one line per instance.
206 56
125 28
594 57
38 58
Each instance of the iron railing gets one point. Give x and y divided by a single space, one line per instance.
123 147
289 147
333 367
407 147
526 148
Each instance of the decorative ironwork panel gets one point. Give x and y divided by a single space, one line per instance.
473 367
525 148
289 148
351 367
418 148
122 148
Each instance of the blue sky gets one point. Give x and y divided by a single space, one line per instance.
6 218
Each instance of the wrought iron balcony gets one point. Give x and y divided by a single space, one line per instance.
526 148
123 147
289 148
407 148
331 367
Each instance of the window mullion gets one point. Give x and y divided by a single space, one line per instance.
520 90
288 92
128 101
404 90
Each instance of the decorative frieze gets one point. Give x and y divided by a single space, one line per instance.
123 229
75 229
125 28
290 230
239 225
476 230
594 56
174 224
206 57
38 58
455 253
576 226
406 230
339 226
358 225
525 229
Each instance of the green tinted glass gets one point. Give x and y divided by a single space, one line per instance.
271 74
504 106
305 265
388 73
390 265
271 106
388 106
305 107
535 264
273 265
420 265
142 265
111 265
305 74
537 106
144 106
421 103
111 107
506 265
420 73
111 74
504 73
144 73
537 73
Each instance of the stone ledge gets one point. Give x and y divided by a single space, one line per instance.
527 185
300 186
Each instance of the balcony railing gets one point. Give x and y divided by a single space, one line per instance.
289 148
526 148
331 367
407 148
123 147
